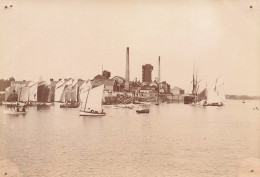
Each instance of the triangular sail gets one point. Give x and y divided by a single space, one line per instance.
24 94
71 91
86 86
33 87
74 93
212 97
7 92
202 95
58 92
67 92
64 95
94 99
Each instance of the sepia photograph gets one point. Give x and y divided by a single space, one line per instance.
130 88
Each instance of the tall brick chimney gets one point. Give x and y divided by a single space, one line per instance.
127 70
159 71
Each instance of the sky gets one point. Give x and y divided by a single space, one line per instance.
66 38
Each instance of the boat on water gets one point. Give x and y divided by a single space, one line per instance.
192 98
213 104
14 110
71 96
142 111
13 103
157 103
92 105
243 101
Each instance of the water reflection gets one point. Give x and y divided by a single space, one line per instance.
43 107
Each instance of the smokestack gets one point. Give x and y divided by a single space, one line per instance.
159 71
127 70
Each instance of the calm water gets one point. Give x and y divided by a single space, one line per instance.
173 140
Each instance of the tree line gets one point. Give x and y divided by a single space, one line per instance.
5 83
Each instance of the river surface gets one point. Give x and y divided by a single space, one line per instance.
173 140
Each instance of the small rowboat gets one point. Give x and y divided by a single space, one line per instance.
91 113
142 111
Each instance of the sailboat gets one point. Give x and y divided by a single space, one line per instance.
214 97
92 105
14 109
192 98
71 96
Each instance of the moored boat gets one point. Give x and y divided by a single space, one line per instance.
14 110
92 105
142 111
93 113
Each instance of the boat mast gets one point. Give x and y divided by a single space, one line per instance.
215 85
196 82
43 93
102 94
86 100
193 81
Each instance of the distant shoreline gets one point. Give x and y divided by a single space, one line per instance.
242 97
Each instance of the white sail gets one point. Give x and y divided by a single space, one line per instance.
62 98
59 84
85 87
69 82
94 99
24 94
7 92
74 93
33 87
75 81
212 97
58 92
71 90
67 92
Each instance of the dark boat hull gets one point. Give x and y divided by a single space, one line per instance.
214 104
189 99
68 106
142 111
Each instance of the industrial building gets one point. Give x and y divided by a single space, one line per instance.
147 73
